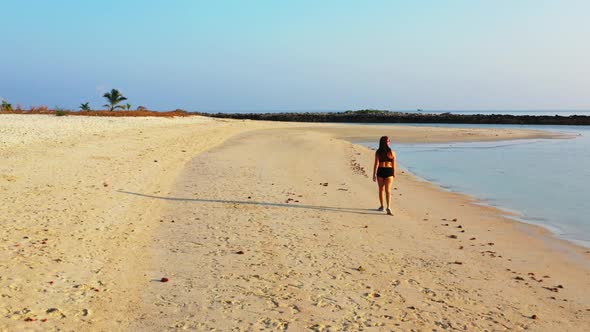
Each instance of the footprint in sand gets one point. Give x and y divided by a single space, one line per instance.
428 292
373 295
55 313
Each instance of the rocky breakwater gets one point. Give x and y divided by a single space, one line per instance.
379 116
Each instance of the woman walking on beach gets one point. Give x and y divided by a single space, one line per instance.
384 172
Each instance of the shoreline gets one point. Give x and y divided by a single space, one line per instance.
100 238
513 214
544 232
574 249
557 231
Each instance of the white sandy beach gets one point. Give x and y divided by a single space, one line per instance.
95 211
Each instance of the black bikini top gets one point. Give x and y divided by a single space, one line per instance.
386 160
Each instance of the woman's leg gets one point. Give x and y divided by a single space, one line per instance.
387 182
380 182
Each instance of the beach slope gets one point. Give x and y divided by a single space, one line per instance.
278 229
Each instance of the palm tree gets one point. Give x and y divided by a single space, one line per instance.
127 106
85 107
114 97
6 106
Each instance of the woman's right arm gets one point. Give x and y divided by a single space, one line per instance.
375 167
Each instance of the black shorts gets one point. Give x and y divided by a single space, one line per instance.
384 172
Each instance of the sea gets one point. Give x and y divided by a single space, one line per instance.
519 112
546 182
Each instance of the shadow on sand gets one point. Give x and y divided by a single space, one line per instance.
292 206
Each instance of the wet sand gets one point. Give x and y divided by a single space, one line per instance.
261 225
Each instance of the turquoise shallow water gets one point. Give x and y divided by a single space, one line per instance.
547 182
518 112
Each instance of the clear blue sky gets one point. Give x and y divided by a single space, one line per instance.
298 55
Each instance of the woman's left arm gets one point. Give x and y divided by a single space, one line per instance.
394 163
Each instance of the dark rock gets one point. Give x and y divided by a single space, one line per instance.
383 116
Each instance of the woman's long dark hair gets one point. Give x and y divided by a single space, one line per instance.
384 151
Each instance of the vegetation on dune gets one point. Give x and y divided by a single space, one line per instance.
39 110
106 113
85 107
6 107
114 97
351 116
60 111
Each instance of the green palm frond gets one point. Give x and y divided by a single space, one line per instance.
114 97
85 106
